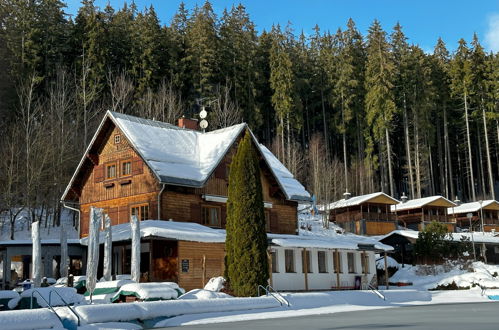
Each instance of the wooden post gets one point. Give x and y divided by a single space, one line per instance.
386 272
269 260
204 269
151 270
305 267
337 262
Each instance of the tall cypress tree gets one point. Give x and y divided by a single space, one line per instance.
246 242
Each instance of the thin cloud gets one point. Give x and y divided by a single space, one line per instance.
492 34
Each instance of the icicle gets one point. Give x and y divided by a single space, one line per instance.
37 254
135 226
108 248
93 249
64 253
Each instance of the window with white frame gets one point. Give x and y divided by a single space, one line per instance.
289 260
321 261
351 262
275 265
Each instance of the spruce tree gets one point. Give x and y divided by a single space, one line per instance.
246 242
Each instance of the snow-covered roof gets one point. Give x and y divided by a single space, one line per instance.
420 202
187 157
377 197
340 241
478 237
43 242
189 231
474 207
184 231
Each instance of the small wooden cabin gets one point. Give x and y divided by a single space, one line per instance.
364 215
155 170
415 213
487 210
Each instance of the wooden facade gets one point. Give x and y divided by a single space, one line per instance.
115 178
418 216
371 217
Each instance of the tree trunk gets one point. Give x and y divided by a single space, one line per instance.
447 155
417 157
487 151
389 159
408 150
480 163
470 161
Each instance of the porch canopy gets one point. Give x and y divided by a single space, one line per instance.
194 232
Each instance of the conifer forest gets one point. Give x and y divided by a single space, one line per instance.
344 111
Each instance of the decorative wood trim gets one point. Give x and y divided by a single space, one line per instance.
125 182
109 184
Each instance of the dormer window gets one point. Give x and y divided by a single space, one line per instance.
117 139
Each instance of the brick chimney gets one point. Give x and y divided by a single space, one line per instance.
188 123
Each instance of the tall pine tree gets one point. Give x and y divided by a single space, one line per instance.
246 241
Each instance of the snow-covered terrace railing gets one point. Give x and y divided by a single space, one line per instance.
169 308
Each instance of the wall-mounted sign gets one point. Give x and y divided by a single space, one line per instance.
185 265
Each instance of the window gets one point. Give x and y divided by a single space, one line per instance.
117 139
306 262
126 168
140 211
289 256
275 265
351 262
211 216
321 261
111 171
337 261
267 221
365 263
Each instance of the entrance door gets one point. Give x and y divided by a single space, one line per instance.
164 261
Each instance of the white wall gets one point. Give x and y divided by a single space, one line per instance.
319 281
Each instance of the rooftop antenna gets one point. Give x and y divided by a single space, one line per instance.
202 114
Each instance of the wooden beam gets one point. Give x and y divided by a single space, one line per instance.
305 267
386 272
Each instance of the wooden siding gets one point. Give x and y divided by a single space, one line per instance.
116 195
194 252
380 227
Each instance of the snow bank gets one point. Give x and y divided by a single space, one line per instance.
215 284
150 291
204 294
29 319
111 326
68 294
481 275
168 308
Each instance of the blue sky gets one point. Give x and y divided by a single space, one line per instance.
423 21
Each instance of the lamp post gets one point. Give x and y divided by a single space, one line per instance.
470 215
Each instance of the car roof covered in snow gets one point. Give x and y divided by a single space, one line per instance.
377 197
474 207
420 202
187 157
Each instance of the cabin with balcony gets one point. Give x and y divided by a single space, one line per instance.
364 215
469 215
415 213
159 171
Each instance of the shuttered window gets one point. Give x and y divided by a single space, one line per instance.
126 168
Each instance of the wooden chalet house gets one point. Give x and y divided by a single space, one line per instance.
415 213
154 170
364 215
487 210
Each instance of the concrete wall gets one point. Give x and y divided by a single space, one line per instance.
320 281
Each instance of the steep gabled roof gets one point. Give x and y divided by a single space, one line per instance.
186 157
377 197
474 207
420 202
